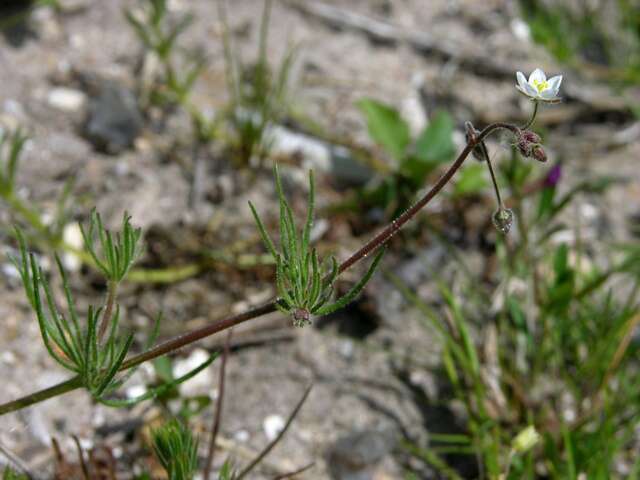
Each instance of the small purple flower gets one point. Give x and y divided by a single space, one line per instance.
553 176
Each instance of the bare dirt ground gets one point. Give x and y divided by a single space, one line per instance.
471 52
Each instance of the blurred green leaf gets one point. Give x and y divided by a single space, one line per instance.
10 474
433 147
545 205
386 126
471 179
435 143
163 368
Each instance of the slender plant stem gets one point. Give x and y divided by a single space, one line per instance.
275 441
397 224
494 181
296 472
112 293
218 415
533 116
30 215
42 395
200 333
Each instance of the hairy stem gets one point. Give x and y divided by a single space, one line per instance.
42 395
397 224
112 292
180 341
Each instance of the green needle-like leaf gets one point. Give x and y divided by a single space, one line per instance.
355 290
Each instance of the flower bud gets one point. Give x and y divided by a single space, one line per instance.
531 137
527 142
471 136
538 153
503 219
525 440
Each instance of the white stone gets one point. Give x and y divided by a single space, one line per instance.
72 236
135 391
241 436
520 29
272 426
67 99
201 383
287 142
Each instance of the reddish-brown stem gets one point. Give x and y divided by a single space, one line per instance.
198 334
112 291
195 335
382 237
218 415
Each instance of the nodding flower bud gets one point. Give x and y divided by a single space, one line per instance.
528 144
531 137
503 219
471 136
539 154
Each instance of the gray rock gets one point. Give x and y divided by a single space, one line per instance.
356 456
114 120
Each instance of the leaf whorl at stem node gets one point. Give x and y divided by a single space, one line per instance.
305 285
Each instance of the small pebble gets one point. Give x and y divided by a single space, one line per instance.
67 99
136 390
241 436
272 426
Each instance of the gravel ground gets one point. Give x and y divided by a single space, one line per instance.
356 385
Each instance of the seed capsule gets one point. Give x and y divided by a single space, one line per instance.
503 219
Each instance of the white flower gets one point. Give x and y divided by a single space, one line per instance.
538 87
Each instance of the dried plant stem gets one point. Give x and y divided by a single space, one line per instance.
185 339
219 404
296 472
275 441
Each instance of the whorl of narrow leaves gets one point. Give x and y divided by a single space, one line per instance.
117 252
177 450
74 347
303 282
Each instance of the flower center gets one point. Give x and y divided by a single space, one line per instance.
540 86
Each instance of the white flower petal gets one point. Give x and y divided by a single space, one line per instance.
537 75
548 94
522 80
531 91
554 83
